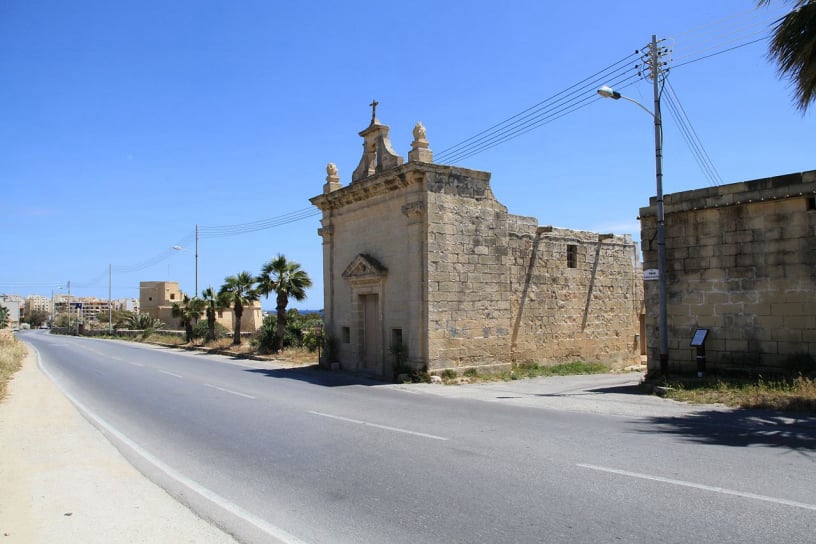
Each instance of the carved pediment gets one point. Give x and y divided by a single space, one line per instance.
364 267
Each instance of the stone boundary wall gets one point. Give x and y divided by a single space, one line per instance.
741 262
581 307
501 289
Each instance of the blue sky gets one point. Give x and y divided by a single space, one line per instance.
125 124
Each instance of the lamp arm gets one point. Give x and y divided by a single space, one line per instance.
638 104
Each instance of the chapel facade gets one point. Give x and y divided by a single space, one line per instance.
421 261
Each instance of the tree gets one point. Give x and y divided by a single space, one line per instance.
37 318
212 305
287 280
237 292
119 318
793 47
188 312
143 322
4 316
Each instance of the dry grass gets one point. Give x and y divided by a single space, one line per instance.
788 394
12 353
295 356
301 356
523 371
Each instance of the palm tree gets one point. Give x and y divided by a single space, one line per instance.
237 292
188 311
212 304
143 322
287 280
793 47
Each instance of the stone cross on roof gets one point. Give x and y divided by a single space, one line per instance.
374 105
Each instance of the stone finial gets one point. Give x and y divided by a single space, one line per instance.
419 133
332 179
420 152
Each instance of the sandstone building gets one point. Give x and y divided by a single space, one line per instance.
157 298
422 255
740 262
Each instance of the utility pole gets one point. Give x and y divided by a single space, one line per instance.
110 301
196 263
655 66
68 307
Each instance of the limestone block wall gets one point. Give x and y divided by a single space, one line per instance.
576 295
251 318
501 289
741 262
468 290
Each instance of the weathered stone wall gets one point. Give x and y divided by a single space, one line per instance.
741 262
501 289
585 307
468 289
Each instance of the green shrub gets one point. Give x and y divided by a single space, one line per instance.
265 336
299 331
200 330
448 374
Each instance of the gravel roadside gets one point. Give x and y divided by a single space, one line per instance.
62 481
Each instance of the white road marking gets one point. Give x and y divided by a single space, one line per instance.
134 364
171 373
230 391
723 490
212 496
386 427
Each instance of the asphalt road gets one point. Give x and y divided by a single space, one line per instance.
308 456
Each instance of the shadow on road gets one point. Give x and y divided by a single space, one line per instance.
316 375
631 389
742 428
617 389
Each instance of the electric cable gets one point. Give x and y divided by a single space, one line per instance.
692 139
569 100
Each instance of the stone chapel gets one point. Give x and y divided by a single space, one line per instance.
422 256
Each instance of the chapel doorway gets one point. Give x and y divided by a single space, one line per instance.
372 342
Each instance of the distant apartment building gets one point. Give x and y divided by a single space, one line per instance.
37 303
126 304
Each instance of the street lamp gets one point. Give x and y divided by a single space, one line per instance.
53 306
609 92
182 248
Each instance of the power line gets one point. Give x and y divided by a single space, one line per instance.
721 52
521 116
547 110
693 142
569 100
255 226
